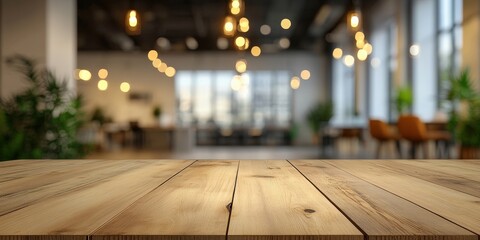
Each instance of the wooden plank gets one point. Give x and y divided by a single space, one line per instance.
464 169
377 212
432 172
28 190
458 207
82 211
192 205
274 201
24 168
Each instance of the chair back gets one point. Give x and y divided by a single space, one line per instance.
412 128
379 129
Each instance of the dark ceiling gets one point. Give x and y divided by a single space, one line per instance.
101 23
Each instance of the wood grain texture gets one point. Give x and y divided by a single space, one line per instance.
82 211
461 168
435 172
27 190
458 207
377 212
192 205
274 201
24 168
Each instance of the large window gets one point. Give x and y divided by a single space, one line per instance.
436 28
383 64
206 98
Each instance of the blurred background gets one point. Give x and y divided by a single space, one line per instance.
128 79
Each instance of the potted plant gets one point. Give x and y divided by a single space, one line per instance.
403 100
42 120
157 113
464 121
318 117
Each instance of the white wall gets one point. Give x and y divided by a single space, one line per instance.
43 30
61 38
136 69
23 32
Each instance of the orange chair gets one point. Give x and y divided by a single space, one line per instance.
383 134
412 129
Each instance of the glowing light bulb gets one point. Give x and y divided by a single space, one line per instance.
102 85
295 83
337 53
256 51
285 23
125 87
85 75
152 55
305 74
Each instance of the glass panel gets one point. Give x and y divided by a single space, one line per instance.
223 103
183 87
445 14
458 5
203 97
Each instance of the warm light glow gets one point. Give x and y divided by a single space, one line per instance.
362 55
103 73
162 67
359 36
246 45
360 44
337 53
349 60
102 85
244 24
256 51
354 20
229 26
170 71
368 47
305 74
285 23
152 55
235 7
85 75
132 19
295 83
235 11
284 43
235 4
414 50
240 41
132 22
125 87
241 66
265 29
156 63
222 43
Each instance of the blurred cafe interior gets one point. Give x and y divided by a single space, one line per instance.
240 79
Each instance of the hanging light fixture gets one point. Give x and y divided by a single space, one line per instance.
132 21
230 26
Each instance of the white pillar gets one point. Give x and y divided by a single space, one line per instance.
44 30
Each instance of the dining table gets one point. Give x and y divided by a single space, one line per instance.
240 199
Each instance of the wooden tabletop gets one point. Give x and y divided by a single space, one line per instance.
240 200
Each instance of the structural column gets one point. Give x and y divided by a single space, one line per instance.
44 30
471 38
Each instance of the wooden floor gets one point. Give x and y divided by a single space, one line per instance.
240 199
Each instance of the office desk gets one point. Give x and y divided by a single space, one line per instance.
247 199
